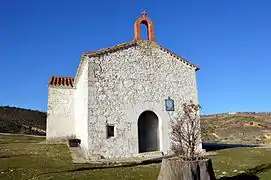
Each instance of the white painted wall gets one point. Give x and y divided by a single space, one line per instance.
60 119
81 106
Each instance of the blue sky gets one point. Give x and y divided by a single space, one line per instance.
229 39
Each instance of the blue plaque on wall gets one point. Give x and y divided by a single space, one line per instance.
169 103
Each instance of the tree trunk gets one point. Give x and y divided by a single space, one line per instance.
177 169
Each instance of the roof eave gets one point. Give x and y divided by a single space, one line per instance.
132 43
61 81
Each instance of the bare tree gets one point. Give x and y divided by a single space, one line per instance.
186 132
186 136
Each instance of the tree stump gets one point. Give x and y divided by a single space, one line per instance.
178 169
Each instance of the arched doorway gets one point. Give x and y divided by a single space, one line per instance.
148 133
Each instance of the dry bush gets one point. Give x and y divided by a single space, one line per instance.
186 132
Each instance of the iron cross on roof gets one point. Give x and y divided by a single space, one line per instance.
144 13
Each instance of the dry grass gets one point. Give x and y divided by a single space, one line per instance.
243 129
22 157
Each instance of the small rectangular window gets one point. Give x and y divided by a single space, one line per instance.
110 131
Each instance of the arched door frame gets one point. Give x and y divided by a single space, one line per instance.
159 129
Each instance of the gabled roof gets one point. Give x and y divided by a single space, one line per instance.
61 81
143 19
135 42
179 57
70 81
110 49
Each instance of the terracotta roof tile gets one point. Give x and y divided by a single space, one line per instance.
111 49
178 57
134 42
61 81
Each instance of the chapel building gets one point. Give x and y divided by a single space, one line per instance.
115 104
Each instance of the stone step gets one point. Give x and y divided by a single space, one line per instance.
151 154
77 155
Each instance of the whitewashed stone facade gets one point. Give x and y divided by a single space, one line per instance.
61 112
114 86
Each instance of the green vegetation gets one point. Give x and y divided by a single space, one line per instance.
19 120
255 161
25 157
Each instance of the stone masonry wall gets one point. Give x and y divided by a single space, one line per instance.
124 84
60 119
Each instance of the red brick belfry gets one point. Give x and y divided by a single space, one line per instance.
143 19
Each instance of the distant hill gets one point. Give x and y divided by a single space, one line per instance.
19 120
245 127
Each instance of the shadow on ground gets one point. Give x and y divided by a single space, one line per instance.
89 167
10 156
241 177
21 142
132 164
251 174
220 146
